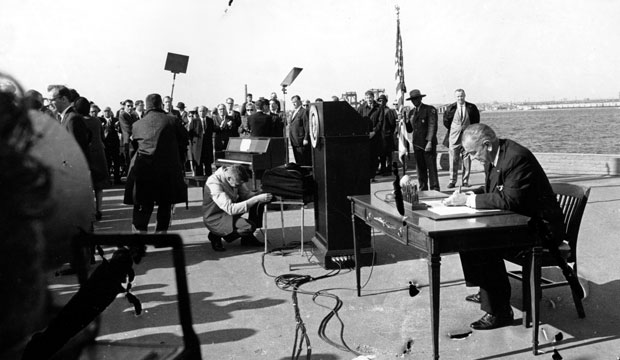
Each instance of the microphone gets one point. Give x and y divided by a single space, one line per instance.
398 194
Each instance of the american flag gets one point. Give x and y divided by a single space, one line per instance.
401 90
404 138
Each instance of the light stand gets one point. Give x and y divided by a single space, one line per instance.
175 63
174 76
285 122
288 80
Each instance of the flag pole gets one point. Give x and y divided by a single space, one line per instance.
404 138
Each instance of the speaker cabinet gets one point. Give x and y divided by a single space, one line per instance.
340 159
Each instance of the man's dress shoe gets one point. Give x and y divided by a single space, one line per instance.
488 321
451 185
216 242
475 298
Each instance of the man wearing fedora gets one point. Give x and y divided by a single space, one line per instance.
422 121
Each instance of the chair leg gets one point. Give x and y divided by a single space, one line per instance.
282 220
573 281
265 225
575 287
302 229
579 305
527 309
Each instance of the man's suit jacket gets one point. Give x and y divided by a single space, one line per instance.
231 128
110 135
299 129
277 122
219 138
260 124
519 184
448 117
74 123
199 136
423 125
126 121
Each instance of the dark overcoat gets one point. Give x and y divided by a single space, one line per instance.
157 172
424 126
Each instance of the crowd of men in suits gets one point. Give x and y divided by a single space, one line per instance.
207 131
415 129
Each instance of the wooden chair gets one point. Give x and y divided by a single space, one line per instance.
572 200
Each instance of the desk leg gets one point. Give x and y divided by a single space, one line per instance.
356 252
434 264
301 252
282 221
535 294
266 226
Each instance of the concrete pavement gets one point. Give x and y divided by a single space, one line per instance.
239 312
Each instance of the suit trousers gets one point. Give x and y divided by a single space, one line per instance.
456 162
426 165
202 169
113 158
142 215
129 151
487 270
245 227
303 155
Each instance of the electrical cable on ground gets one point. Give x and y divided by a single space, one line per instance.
293 282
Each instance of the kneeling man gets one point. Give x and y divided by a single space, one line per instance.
226 198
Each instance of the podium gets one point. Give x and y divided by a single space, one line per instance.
340 158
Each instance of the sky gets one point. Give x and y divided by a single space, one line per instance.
497 50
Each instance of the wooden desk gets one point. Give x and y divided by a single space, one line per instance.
436 237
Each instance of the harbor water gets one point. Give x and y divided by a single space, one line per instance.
583 130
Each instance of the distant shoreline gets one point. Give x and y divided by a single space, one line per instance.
552 109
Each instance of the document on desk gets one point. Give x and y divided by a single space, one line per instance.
438 211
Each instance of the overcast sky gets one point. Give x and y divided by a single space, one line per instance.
501 50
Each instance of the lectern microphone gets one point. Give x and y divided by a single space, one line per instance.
398 194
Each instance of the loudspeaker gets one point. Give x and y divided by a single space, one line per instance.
176 63
341 153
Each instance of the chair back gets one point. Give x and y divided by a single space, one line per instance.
572 199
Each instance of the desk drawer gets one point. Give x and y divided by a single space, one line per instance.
388 225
